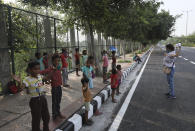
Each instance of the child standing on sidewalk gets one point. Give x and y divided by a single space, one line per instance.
114 83
39 58
87 98
87 72
64 56
77 61
119 76
54 73
38 103
84 57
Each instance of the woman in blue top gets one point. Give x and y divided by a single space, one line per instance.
169 61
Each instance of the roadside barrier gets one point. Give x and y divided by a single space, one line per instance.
76 121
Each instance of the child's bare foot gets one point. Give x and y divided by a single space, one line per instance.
62 116
114 101
89 122
118 93
66 85
97 113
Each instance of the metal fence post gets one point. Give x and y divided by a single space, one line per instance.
78 35
10 39
37 35
55 35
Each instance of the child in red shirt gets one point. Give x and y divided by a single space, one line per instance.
77 61
114 83
54 73
64 56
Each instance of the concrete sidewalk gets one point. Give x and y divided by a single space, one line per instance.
15 112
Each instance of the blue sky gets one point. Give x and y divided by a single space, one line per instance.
176 7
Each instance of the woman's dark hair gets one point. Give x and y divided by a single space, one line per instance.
118 67
31 65
84 80
113 52
114 71
55 56
170 47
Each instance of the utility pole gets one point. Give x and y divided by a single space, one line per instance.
187 22
187 19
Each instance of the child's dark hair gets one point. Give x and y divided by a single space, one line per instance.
104 52
63 50
90 59
170 47
31 65
113 52
37 54
118 67
55 56
84 80
114 71
45 53
77 49
84 52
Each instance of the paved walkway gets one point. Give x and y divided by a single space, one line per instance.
150 110
15 112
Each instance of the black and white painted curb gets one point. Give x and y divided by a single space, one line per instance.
76 121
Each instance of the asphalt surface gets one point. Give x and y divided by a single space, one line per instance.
150 110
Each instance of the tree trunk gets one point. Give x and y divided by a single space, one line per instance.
89 43
107 43
93 47
78 37
123 48
48 38
99 46
4 54
73 43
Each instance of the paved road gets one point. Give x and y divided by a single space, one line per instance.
188 53
150 110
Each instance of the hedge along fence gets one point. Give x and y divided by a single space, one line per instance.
30 32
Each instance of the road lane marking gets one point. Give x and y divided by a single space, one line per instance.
185 59
192 62
180 56
116 123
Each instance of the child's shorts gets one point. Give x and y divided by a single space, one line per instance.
119 82
87 106
105 70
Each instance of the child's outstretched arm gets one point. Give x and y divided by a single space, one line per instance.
18 79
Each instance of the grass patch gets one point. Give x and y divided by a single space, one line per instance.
138 52
124 61
189 44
